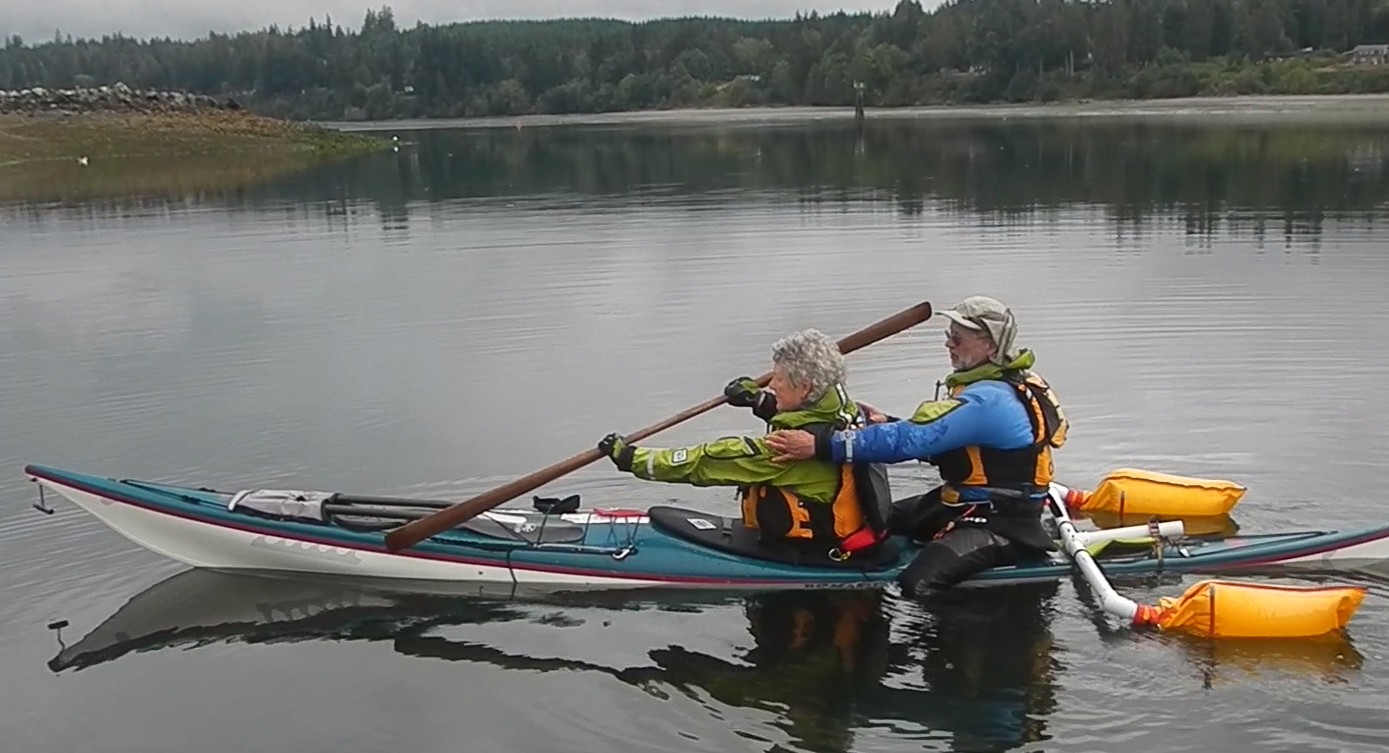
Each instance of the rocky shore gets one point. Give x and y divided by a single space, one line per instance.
117 98
118 142
87 124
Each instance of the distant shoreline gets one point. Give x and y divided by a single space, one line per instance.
72 154
103 135
1257 108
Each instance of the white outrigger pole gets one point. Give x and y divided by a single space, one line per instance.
1166 529
1075 542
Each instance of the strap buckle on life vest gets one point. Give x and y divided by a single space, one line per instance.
863 538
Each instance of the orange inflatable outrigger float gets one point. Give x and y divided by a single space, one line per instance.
1210 608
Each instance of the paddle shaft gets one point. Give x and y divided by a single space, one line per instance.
418 530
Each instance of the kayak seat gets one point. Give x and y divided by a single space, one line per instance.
729 535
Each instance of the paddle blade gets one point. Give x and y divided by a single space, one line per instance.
1224 609
1128 491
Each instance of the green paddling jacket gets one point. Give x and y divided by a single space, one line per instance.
804 499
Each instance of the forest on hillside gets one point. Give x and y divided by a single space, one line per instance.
965 51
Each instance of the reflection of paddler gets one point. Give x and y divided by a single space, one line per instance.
791 625
994 652
814 653
985 661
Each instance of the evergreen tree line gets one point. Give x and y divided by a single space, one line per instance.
965 51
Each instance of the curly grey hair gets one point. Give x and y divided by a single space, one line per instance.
810 358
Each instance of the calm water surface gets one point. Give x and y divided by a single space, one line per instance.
1206 299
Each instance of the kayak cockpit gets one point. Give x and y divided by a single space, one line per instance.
729 535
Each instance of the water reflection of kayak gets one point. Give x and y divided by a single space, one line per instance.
822 660
977 664
200 606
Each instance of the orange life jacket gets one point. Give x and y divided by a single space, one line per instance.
1007 473
856 519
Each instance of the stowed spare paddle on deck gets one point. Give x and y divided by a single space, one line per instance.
366 513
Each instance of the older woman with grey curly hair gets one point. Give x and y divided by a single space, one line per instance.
810 500
805 367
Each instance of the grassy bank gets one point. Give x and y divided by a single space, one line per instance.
50 157
204 134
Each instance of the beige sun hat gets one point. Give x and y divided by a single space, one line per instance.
984 314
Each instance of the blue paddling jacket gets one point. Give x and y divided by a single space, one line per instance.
991 439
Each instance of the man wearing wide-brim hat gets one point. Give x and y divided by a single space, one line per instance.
991 440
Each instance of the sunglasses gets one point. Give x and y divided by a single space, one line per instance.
956 334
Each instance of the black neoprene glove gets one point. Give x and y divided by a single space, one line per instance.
618 451
743 392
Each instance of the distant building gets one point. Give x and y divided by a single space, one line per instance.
1302 53
1370 54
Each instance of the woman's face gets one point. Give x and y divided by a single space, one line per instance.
789 396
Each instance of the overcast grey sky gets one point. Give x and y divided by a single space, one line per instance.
37 19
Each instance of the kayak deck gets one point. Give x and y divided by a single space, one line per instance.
599 547
210 528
